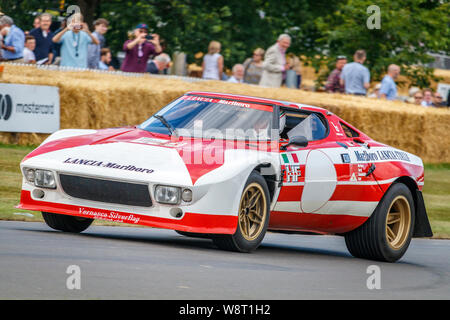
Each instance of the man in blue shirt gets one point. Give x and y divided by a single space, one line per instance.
13 40
356 77
388 88
43 37
74 40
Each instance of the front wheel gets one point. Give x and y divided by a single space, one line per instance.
66 223
253 217
386 235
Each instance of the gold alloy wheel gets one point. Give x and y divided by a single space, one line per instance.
252 211
398 222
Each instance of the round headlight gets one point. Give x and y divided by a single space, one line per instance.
186 195
29 175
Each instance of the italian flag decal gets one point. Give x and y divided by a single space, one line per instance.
289 158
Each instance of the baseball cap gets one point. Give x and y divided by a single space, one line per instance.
142 26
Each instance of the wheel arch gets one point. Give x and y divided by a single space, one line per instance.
268 172
422 226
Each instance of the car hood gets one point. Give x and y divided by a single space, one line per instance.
131 154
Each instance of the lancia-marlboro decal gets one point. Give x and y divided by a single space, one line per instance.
105 164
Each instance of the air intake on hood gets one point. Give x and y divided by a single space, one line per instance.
106 190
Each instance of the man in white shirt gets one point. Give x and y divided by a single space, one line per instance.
238 74
28 54
274 65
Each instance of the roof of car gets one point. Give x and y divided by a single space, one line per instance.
288 104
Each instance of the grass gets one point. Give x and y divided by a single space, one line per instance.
436 191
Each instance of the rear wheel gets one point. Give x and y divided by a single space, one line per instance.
253 217
386 235
66 223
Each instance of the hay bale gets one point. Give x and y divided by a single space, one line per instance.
98 100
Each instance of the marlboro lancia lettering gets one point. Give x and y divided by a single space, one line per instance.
112 165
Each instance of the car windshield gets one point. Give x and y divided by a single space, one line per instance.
201 117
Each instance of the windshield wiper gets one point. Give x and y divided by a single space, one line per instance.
166 123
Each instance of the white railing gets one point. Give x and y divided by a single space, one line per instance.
115 72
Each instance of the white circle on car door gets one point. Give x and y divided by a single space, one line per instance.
320 181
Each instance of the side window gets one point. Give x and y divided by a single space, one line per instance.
302 124
292 120
349 132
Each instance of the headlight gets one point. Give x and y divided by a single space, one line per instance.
186 195
29 175
167 195
44 179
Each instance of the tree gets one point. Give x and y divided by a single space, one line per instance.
409 30
320 29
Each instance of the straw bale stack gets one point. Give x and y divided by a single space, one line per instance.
98 100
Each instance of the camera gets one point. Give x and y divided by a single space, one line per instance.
149 37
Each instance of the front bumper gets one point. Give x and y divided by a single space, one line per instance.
190 222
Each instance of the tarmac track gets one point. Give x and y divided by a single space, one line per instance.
147 263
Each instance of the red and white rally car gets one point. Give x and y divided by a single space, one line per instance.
230 168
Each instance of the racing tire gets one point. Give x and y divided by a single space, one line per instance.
66 223
253 217
386 235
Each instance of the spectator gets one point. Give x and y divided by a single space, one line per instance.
333 82
105 60
427 98
28 54
36 22
139 50
56 47
212 67
159 63
74 40
411 92
43 36
101 27
388 88
254 67
238 74
293 75
418 97
356 77
438 101
275 65
376 91
13 40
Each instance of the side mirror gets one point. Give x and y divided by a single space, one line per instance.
299 141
